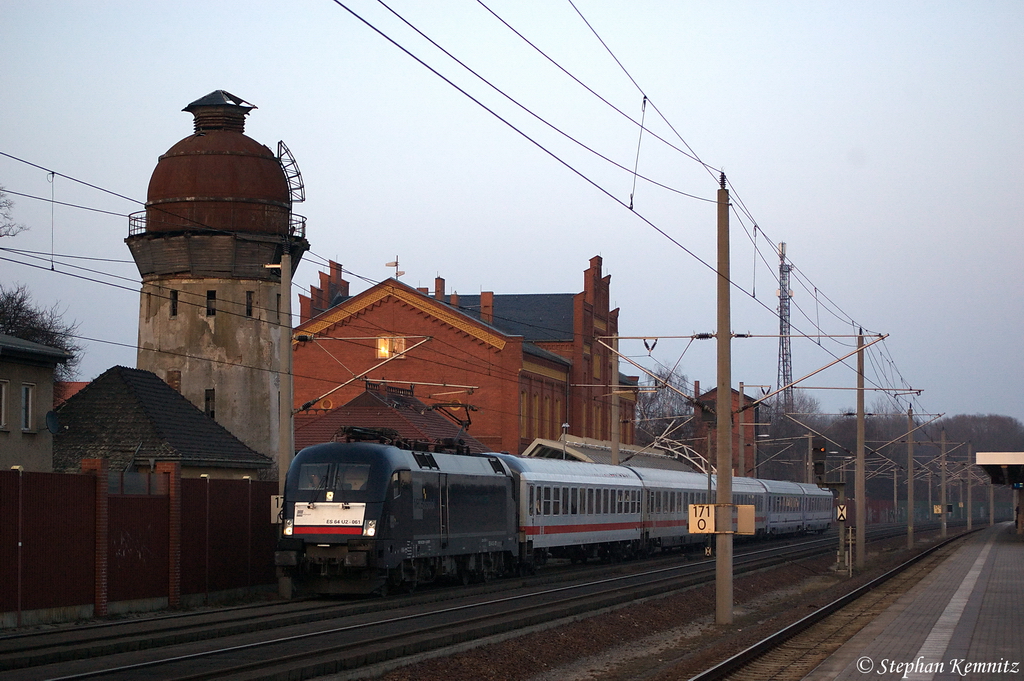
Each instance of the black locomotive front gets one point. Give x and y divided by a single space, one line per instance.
362 518
335 497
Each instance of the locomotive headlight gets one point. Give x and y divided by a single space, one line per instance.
370 528
288 527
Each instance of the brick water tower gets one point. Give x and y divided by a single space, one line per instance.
212 317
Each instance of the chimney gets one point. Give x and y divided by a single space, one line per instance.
439 288
487 306
454 301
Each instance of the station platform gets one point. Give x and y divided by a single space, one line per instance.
963 621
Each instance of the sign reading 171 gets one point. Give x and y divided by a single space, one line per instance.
702 518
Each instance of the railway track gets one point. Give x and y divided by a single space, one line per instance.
303 640
794 651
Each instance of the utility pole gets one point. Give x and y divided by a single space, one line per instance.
895 499
742 454
860 493
809 463
616 423
723 407
286 434
910 477
942 479
967 472
931 506
991 504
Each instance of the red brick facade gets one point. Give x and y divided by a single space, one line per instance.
98 467
706 434
527 364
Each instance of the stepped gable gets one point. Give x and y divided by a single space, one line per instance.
130 415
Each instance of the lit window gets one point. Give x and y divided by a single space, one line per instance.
389 346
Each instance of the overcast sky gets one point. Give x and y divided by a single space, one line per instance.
881 141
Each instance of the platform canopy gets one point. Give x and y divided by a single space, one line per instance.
1005 468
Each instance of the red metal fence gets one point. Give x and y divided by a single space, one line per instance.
226 528
46 540
217 536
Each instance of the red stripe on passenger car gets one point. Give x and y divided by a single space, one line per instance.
571 529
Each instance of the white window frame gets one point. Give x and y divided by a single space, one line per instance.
28 394
3 404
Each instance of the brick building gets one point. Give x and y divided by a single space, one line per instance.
706 435
526 363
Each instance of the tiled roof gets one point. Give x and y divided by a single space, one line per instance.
127 414
408 416
534 316
63 390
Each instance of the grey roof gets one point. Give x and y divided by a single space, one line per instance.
592 451
127 415
23 351
534 316
220 98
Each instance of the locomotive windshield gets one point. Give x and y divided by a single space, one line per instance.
336 477
339 473
313 476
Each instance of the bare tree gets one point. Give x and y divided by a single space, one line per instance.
20 318
662 412
8 227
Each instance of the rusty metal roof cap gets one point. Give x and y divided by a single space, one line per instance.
219 110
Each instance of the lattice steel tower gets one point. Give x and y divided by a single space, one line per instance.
785 353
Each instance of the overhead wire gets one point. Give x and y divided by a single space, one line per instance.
523 107
589 89
711 170
573 169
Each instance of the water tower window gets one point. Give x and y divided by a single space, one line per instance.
248 303
174 379
210 403
174 303
211 303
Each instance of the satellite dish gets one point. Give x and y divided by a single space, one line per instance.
52 422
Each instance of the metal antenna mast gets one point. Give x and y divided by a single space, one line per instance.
785 353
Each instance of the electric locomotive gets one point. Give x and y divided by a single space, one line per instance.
364 517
